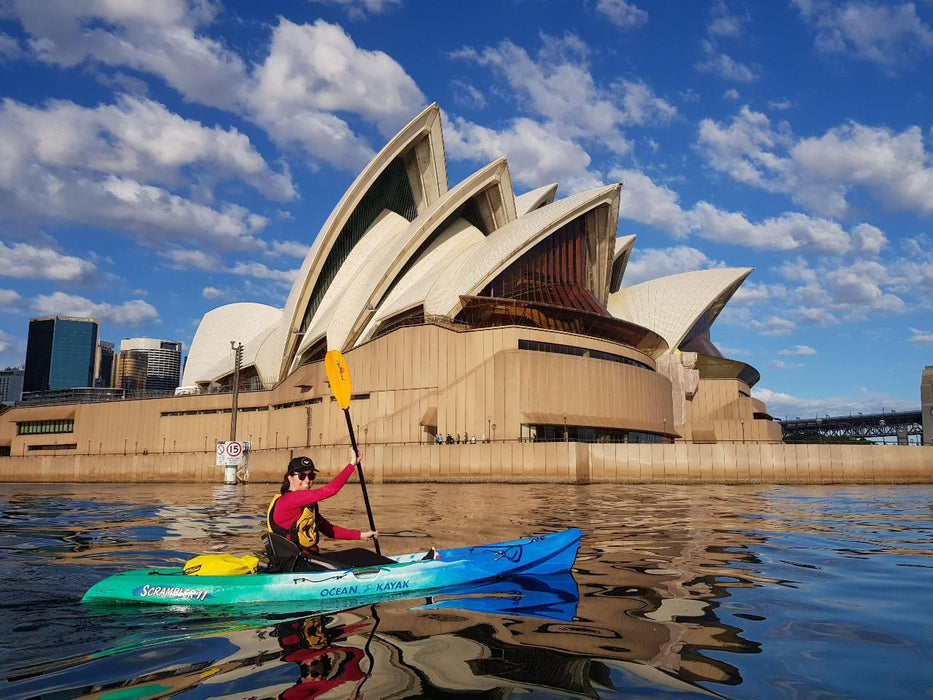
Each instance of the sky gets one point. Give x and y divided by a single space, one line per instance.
159 159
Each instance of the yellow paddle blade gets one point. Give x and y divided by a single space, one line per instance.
338 374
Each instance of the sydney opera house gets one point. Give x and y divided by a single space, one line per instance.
465 310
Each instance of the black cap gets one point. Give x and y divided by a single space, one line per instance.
301 464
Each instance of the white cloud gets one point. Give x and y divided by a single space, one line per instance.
650 263
622 13
214 293
780 364
536 155
315 70
183 259
773 325
821 172
156 37
558 87
9 47
28 261
260 271
130 314
8 297
887 34
658 205
7 343
782 404
292 249
798 350
135 137
358 9
724 66
921 337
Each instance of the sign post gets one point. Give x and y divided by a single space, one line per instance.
233 456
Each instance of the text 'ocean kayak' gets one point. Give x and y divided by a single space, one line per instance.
532 556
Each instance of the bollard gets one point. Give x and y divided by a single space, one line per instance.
230 474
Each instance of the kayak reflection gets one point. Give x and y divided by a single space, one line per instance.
324 658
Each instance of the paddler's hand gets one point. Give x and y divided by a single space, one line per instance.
369 535
355 457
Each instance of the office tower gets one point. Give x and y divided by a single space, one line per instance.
149 364
60 353
104 376
11 385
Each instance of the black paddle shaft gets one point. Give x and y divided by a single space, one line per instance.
359 470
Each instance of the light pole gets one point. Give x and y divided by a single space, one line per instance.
237 360
743 430
494 432
566 437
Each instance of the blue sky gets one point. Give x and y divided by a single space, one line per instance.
158 159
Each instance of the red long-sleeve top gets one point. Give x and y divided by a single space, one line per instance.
289 506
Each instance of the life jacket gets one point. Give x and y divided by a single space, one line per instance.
303 531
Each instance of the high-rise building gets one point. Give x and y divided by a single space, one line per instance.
105 367
60 353
148 364
11 385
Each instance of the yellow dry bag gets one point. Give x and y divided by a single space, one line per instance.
221 565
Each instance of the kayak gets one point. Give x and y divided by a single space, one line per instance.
540 555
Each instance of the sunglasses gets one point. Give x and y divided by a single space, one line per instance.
305 475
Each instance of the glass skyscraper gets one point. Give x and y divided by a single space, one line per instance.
60 353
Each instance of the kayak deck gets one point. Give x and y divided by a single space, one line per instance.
533 556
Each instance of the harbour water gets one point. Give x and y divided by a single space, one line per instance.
678 591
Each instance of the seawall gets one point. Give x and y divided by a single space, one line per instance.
569 462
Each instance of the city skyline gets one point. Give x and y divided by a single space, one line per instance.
163 160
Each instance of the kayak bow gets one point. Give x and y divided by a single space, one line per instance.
410 574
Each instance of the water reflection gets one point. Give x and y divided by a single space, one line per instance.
678 591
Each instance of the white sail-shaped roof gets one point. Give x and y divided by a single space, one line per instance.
420 145
672 305
535 199
623 252
469 273
491 190
210 355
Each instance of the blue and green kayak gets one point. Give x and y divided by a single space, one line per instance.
411 574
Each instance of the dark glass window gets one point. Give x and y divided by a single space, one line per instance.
579 352
45 427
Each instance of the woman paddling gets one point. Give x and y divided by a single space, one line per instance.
294 514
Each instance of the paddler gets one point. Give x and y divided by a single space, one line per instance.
294 512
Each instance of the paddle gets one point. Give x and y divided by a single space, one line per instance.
339 377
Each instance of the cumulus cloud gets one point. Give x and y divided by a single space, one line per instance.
310 73
313 71
787 405
820 172
130 314
646 264
886 34
8 297
161 38
134 137
645 201
185 259
260 271
213 293
358 9
31 262
8 344
780 364
724 66
536 155
292 249
773 325
920 337
558 87
9 46
798 350
622 13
